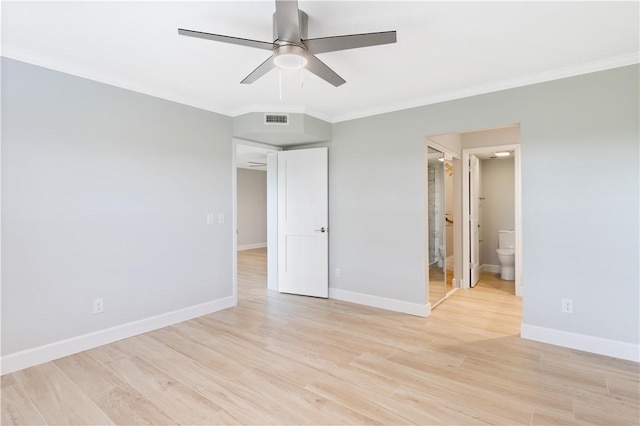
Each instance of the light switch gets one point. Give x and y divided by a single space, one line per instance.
209 218
220 217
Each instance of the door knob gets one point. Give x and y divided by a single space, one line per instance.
323 229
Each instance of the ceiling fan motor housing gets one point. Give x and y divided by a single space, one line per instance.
303 18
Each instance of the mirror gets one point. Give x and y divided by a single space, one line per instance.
448 225
436 218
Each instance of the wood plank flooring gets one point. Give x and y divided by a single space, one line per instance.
283 359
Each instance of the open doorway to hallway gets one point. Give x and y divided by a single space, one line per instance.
251 215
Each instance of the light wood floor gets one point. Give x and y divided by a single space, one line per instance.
282 359
439 286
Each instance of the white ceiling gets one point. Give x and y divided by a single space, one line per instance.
445 50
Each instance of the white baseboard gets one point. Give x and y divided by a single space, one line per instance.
381 302
490 268
251 246
582 342
30 357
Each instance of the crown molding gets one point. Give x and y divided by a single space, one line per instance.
95 75
92 74
557 74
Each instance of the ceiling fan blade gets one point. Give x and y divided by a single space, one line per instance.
332 44
319 68
262 69
288 21
227 39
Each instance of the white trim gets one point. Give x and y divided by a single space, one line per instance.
490 268
442 148
582 342
381 302
30 357
234 219
571 71
251 246
266 147
272 220
518 219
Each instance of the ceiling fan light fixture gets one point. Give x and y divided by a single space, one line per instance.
292 50
290 57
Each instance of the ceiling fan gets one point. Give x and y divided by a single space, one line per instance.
292 49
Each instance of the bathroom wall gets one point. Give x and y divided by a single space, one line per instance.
498 207
252 208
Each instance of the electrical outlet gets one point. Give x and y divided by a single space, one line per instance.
337 272
98 306
567 306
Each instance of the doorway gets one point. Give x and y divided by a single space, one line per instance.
294 234
252 215
492 202
470 259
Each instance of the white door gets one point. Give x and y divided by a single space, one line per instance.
474 219
303 222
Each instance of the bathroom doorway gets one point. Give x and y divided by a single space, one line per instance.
492 202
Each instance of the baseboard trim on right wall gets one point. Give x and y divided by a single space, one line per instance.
582 342
380 302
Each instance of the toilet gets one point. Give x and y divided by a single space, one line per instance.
507 254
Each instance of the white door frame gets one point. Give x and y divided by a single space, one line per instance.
234 206
466 276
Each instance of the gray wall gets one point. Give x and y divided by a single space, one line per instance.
105 193
580 223
252 207
503 136
498 206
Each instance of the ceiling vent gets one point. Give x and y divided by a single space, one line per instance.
276 119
